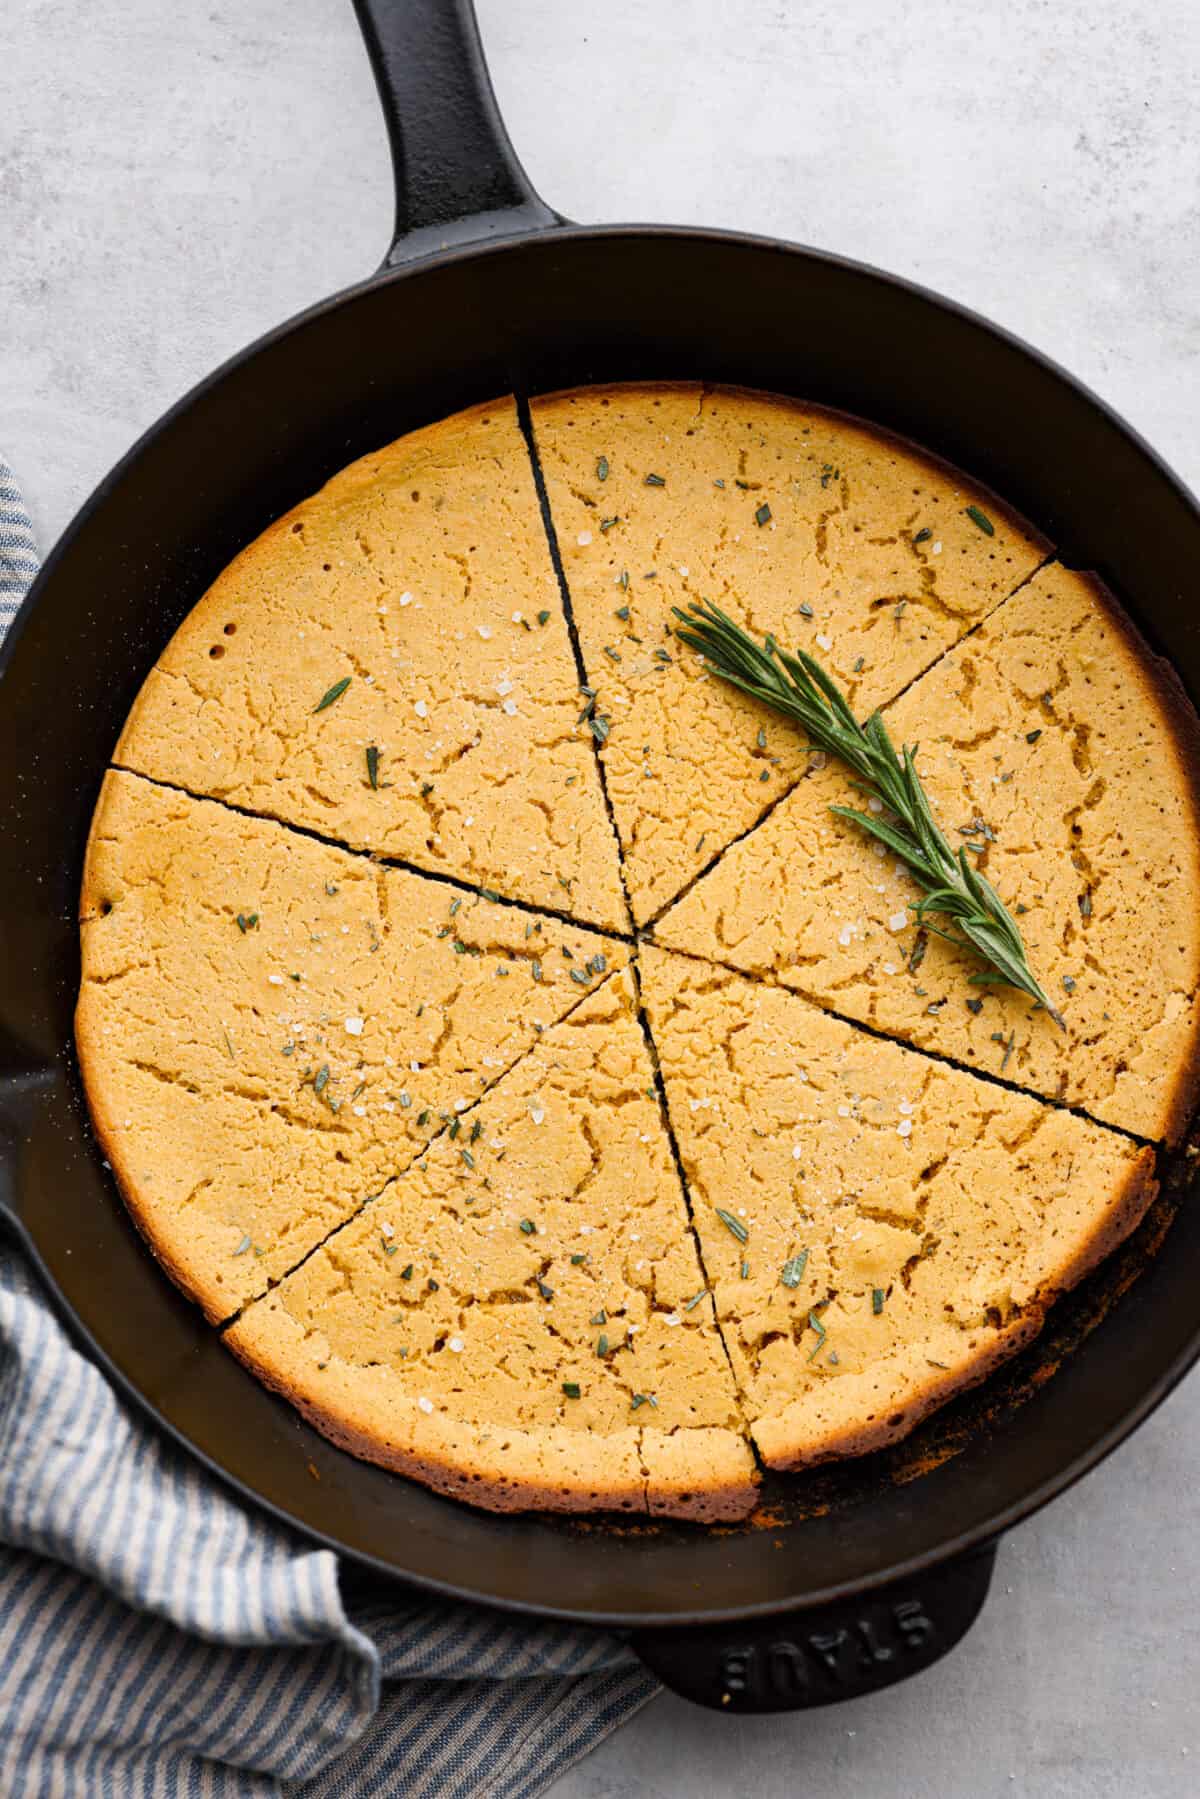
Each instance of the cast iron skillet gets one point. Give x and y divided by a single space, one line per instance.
871 1570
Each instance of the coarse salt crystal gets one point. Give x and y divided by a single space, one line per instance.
276 980
906 1108
456 1344
485 631
843 1111
504 686
354 1026
426 1405
797 1152
845 934
359 1111
584 538
874 805
937 548
672 1318
406 599
826 643
889 968
537 1114
388 1230
421 709
510 706
904 1128
897 921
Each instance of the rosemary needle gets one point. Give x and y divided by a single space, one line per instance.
797 686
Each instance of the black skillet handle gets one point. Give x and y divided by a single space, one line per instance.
457 175
832 1652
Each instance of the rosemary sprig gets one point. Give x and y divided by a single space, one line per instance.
797 686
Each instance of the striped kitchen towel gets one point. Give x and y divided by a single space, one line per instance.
157 1638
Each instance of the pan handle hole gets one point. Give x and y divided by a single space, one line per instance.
217 651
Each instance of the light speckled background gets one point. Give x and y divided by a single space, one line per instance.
174 179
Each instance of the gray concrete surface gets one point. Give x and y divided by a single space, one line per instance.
175 179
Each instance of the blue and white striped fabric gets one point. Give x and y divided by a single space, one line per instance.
157 1639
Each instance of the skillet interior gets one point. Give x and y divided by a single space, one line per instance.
562 309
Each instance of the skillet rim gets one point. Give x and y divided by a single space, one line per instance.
974 1536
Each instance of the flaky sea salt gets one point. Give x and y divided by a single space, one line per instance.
897 921
421 709
354 1026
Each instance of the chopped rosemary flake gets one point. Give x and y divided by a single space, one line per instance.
321 1079
545 1291
923 535
535 969
598 963
600 729
572 1389
822 1333
718 483
613 655
242 1247
528 1226
543 618
1068 982
690 1305
606 524
761 739
602 469
373 764
455 905
333 693
733 1225
467 1157
389 1249
405 1100
601 1317
805 609
654 481
745 1271
602 1344
423 1116
455 1128
977 517
579 976
860 662
642 1399
1085 905
877 1298
975 1005
792 1272
762 516
476 1130
577 1259
621 612
623 580
247 921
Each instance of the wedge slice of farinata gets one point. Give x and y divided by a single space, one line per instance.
270 1028
880 1229
389 665
1064 757
521 1319
859 547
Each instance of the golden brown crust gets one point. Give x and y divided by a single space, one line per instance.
1002 1204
